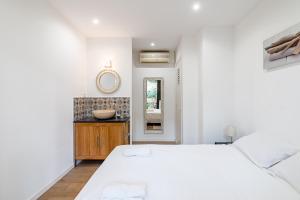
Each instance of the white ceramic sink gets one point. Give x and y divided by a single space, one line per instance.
104 114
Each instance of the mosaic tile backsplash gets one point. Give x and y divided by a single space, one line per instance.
83 106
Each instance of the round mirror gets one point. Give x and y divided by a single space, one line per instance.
108 81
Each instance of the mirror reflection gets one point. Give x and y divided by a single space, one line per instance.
108 81
153 103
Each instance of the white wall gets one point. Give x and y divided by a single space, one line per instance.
42 60
169 75
119 50
207 84
216 81
188 53
266 100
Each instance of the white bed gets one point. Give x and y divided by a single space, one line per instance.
190 172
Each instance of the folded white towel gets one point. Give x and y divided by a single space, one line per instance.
122 191
137 151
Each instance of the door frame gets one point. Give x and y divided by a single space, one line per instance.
179 132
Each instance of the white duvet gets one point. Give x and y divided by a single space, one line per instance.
190 172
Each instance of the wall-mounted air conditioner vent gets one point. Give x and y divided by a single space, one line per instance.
159 57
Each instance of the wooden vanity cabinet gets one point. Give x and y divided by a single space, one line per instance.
95 141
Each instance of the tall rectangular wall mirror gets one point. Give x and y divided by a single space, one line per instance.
153 105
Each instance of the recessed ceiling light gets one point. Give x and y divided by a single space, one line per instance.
152 44
196 6
95 21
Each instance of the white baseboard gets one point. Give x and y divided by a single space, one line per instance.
47 187
151 140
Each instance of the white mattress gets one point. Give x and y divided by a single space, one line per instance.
190 172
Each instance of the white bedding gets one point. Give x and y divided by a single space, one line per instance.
190 172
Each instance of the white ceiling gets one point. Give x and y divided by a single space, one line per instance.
160 21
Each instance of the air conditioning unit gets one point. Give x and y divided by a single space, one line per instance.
155 57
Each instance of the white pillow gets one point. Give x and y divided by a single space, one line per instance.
265 150
289 170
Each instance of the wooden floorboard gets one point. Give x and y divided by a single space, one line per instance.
70 185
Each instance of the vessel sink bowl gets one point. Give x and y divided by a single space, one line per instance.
104 114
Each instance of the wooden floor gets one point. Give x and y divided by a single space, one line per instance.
71 184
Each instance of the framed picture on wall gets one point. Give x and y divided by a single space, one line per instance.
282 49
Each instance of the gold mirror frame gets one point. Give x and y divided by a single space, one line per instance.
116 84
